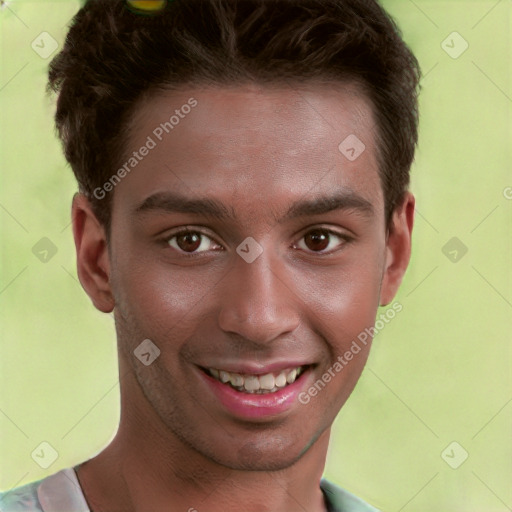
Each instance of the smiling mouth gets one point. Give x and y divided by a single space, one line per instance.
257 384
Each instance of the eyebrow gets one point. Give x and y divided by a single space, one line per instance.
173 202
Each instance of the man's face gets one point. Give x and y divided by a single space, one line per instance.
261 163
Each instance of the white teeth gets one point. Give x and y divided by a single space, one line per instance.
291 376
268 383
237 380
281 380
252 383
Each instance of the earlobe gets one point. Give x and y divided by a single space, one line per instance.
93 265
398 249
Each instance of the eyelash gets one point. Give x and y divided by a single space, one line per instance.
344 237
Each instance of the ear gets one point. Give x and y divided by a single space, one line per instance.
93 262
398 249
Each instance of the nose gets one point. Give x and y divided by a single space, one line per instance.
258 301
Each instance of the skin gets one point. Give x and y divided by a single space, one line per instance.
257 150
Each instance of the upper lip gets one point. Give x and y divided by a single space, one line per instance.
257 368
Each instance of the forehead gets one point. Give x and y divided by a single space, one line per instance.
251 141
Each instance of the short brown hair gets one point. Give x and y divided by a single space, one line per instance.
113 56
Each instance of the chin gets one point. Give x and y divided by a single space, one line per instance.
267 453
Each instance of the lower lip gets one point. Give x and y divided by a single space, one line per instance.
252 405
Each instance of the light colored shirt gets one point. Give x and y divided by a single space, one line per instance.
61 492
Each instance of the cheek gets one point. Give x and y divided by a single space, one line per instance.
344 302
159 297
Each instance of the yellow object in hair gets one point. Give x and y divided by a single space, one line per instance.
148 6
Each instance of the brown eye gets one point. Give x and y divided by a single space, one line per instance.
190 242
318 240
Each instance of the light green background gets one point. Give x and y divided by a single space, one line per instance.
439 372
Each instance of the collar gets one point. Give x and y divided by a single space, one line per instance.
62 491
